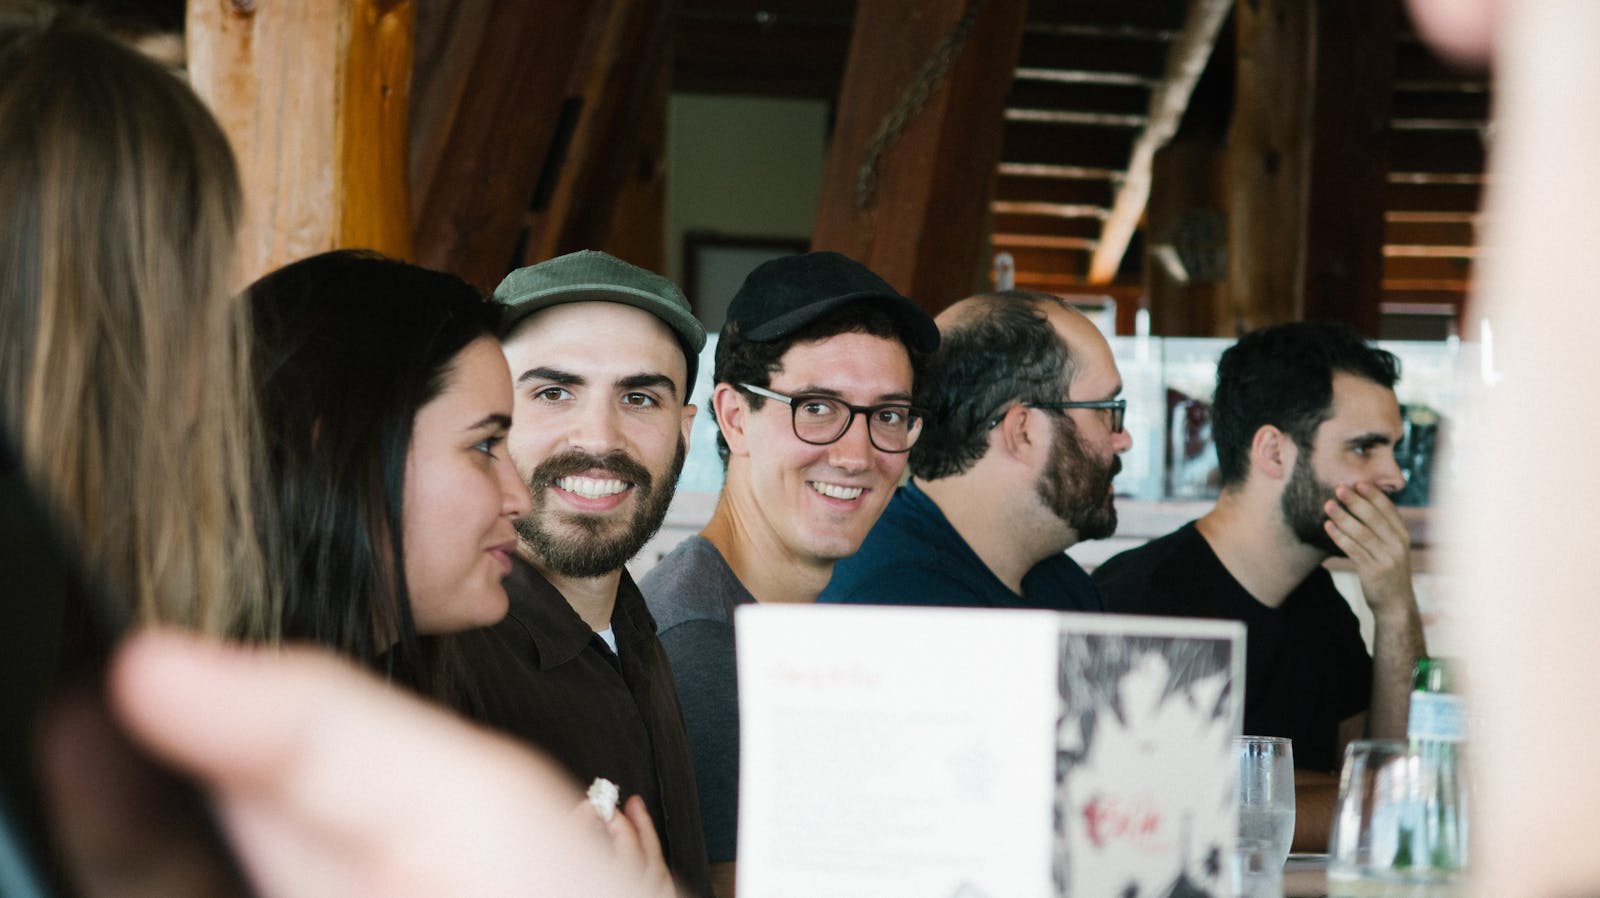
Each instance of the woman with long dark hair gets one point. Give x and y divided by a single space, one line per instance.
385 400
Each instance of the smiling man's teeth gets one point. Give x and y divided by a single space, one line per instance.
589 488
835 491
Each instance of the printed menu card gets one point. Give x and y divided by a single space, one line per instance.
963 753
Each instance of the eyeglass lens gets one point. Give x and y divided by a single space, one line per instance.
820 420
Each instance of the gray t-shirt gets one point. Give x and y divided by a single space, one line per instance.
692 594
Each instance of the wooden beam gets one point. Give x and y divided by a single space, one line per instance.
1308 161
766 51
1090 53
1186 61
1267 158
315 99
1185 238
1350 157
618 85
911 203
1043 143
486 120
638 228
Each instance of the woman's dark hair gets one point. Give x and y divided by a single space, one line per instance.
349 346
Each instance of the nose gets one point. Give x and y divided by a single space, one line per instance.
593 428
853 451
514 498
1121 441
1390 478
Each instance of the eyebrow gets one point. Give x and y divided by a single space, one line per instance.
554 375
567 378
493 420
814 390
1368 440
659 381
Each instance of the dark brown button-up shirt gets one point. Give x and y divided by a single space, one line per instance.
544 675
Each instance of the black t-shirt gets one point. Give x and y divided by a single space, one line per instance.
1306 666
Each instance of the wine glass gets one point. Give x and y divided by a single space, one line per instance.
1266 793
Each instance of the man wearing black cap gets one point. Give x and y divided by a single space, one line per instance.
1015 466
815 371
602 357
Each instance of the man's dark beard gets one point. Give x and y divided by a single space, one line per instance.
1077 487
1303 499
593 551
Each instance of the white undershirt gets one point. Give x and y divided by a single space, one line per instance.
610 637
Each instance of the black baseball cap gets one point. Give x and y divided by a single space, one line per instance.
785 294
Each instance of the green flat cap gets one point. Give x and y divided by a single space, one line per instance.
593 276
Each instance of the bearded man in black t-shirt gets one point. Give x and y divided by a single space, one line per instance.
1305 422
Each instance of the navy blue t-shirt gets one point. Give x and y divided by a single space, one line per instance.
912 556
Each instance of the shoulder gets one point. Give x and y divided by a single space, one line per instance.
905 558
1061 584
692 583
1138 578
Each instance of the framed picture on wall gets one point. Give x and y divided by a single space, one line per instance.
714 265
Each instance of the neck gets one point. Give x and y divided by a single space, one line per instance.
769 570
593 598
1249 536
1008 540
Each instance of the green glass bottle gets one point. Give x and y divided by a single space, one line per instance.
1437 730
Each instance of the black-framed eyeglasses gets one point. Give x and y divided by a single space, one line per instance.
820 420
1117 407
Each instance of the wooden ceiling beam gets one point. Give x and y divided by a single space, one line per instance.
906 184
1080 145
1045 226
1060 75
1046 51
1433 197
617 86
766 51
1118 99
1148 15
1186 61
1062 191
1047 210
493 93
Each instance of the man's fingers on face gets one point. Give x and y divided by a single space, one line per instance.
1373 506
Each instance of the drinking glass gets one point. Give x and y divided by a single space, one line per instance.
1383 839
1266 793
1255 872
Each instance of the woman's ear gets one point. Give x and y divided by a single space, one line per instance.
729 406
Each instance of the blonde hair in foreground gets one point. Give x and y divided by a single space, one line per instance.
124 367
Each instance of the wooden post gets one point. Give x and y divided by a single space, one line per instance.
1185 239
639 226
1308 161
1267 160
617 84
315 99
494 82
1348 177
912 206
